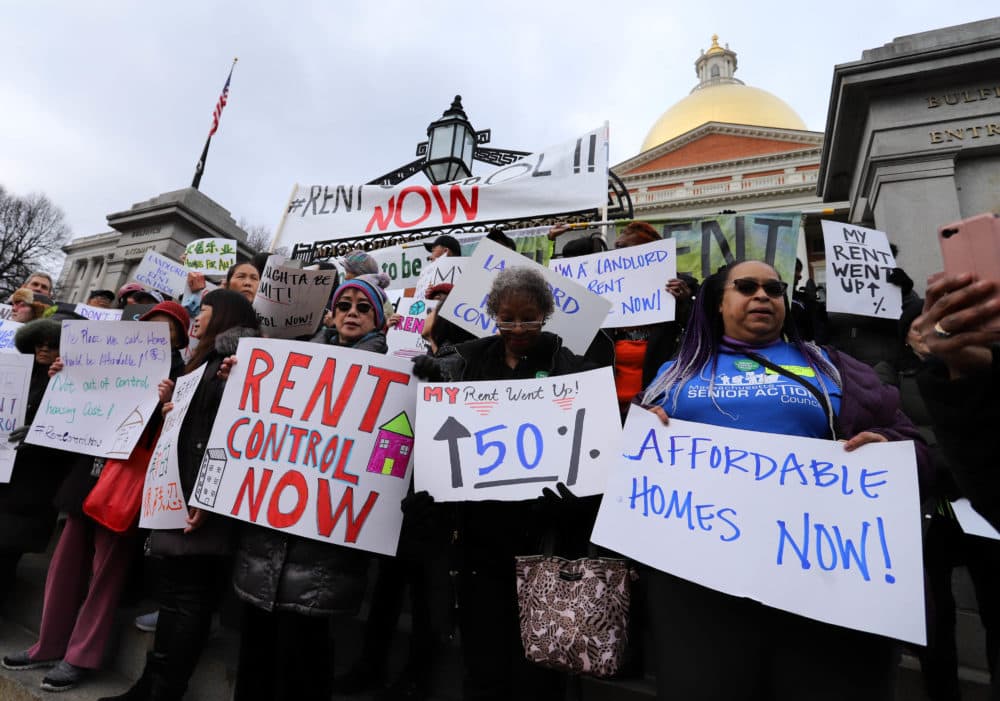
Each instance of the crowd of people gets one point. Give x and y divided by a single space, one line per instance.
456 560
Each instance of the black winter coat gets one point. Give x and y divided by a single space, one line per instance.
27 516
277 571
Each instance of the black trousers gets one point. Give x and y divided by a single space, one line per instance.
284 656
711 646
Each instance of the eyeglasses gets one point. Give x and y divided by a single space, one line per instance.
345 306
748 286
526 325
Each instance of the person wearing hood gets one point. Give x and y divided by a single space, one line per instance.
27 305
27 516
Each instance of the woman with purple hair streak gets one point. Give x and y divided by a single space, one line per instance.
710 645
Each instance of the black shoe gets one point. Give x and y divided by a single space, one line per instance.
140 691
22 660
359 678
63 677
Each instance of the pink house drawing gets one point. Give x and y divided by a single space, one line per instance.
393 447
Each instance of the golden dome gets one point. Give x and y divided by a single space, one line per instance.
732 104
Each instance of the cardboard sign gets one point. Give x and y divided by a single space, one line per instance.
404 339
210 256
15 379
8 329
101 400
507 440
707 243
570 177
314 440
633 279
578 315
290 301
857 263
971 521
160 273
97 313
796 523
163 504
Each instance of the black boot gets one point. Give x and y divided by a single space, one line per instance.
138 691
180 638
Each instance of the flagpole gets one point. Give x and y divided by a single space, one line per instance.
216 115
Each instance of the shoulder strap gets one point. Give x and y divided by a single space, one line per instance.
827 409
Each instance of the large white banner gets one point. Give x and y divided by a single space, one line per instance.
578 315
160 273
15 378
163 503
101 400
857 263
507 440
570 177
796 523
633 279
314 440
290 302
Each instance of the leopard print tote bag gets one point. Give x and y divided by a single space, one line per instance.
574 613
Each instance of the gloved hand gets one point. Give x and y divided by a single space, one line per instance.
900 279
19 434
564 498
426 368
417 508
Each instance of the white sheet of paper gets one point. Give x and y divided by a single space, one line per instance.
404 338
971 522
160 273
857 262
15 379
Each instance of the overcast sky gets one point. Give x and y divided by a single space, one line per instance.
104 104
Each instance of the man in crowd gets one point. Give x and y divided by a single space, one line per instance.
444 246
101 298
39 283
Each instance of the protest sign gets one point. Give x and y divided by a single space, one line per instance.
796 523
210 256
404 339
578 315
5 311
858 260
507 440
158 272
97 313
971 521
15 378
101 400
7 331
445 269
633 279
707 243
570 177
163 504
290 301
314 440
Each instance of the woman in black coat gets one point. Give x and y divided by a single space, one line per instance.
27 516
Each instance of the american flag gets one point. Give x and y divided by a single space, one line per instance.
220 105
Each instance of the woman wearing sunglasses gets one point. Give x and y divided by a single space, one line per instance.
292 585
743 365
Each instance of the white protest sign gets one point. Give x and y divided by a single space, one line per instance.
570 177
7 331
796 523
5 311
163 503
633 279
507 440
160 273
971 521
290 301
857 263
101 400
446 269
314 440
578 315
15 378
404 339
210 256
98 313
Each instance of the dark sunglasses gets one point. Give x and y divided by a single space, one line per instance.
748 286
345 306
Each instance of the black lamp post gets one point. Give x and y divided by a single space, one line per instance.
451 143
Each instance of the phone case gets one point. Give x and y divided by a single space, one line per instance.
973 246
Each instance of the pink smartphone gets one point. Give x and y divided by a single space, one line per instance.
973 246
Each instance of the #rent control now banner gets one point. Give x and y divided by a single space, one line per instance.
570 177
796 523
314 440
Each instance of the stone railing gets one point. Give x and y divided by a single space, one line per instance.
760 184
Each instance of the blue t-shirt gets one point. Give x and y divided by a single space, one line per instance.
754 398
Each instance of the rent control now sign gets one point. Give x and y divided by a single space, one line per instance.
796 523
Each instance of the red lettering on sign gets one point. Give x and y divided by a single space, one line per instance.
470 207
252 381
385 378
324 385
380 220
341 472
325 521
278 518
412 190
229 437
295 360
256 499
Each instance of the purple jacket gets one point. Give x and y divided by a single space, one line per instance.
868 405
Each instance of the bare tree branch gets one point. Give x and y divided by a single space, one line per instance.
32 232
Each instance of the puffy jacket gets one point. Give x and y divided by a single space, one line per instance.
278 571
